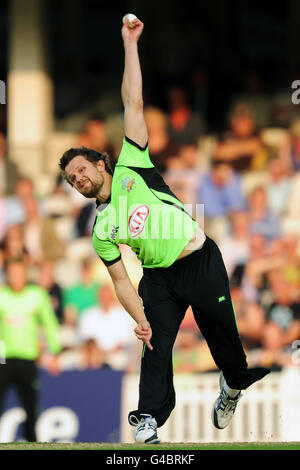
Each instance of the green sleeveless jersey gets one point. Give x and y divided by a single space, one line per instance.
21 314
141 212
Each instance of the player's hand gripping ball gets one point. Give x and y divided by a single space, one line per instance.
132 28
130 17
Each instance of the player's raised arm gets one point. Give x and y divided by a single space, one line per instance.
132 95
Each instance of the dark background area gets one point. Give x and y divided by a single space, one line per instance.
218 47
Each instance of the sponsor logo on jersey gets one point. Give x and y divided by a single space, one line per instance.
114 232
128 183
138 219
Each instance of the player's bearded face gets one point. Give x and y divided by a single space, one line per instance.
91 184
85 177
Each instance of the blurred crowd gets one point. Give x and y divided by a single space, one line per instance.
245 179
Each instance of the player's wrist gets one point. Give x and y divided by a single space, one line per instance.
130 43
142 320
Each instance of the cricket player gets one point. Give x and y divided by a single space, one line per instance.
181 266
23 309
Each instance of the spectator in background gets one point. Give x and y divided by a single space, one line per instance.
292 156
95 136
47 281
255 98
57 202
278 188
23 308
220 191
191 354
160 146
13 244
291 269
40 237
294 144
85 220
185 127
110 326
283 322
264 260
235 247
241 146
221 194
15 212
262 220
80 297
184 176
250 318
86 356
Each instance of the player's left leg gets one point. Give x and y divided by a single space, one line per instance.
203 279
214 313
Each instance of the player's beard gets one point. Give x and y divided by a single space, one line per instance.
93 188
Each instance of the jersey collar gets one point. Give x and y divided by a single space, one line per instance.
102 205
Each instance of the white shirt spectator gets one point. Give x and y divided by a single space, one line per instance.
111 330
234 252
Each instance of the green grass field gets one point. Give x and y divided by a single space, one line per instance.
164 446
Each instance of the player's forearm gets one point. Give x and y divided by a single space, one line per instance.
130 300
131 90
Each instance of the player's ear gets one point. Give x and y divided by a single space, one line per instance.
100 165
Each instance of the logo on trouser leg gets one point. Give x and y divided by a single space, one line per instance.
222 298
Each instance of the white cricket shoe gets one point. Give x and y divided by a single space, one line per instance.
224 406
145 430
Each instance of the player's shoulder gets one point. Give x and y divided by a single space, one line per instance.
132 154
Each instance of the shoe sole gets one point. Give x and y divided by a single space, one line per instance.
155 441
152 441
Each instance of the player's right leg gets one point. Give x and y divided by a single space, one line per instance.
156 389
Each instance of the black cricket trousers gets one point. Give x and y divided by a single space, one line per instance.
200 280
22 374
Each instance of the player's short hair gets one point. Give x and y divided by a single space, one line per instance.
89 154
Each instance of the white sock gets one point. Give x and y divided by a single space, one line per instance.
232 392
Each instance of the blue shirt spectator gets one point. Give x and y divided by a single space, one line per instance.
262 220
221 191
269 226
